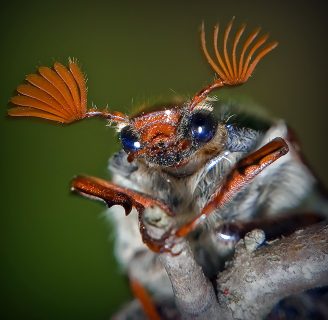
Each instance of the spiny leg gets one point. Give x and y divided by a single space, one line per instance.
242 174
112 194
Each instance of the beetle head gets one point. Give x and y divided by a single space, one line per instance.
175 137
171 137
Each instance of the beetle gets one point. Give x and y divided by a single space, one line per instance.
200 170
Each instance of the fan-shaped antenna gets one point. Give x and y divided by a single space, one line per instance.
233 67
57 94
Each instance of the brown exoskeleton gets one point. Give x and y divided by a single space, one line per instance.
195 170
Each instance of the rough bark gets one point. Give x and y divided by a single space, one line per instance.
254 281
194 294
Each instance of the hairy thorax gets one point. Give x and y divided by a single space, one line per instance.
188 188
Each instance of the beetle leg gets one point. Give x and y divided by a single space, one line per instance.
243 173
112 194
273 227
145 300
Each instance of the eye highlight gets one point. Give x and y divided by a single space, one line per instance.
129 140
203 126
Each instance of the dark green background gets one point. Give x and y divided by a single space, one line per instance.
56 249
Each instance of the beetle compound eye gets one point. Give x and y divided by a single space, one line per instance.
203 126
129 140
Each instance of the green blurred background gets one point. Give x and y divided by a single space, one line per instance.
56 249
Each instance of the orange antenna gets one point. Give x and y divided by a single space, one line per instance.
230 66
57 94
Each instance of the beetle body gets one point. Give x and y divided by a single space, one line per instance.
200 170
189 184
